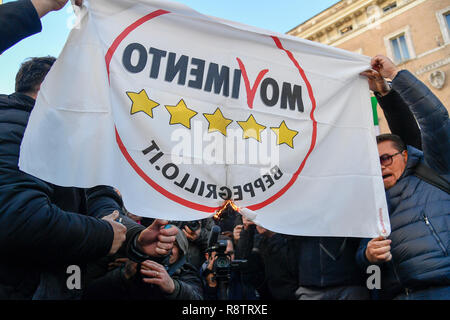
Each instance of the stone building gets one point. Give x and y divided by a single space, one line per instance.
415 34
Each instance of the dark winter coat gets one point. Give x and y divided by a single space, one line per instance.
32 228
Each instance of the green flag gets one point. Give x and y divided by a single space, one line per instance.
374 102
374 110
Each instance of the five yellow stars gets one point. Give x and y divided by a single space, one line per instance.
284 134
181 114
217 122
141 102
251 128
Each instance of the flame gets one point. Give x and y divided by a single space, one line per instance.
224 206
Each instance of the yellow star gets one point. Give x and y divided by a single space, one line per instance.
217 122
141 102
251 128
180 114
284 134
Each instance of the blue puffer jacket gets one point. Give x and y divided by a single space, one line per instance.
419 212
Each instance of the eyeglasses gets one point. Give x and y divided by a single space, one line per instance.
386 159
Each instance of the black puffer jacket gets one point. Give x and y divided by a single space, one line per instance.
34 231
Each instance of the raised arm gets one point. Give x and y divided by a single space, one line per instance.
429 112
45 6
18 20
399 117
21 19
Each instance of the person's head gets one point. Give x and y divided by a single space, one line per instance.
31 74
229 249
393 158
180 247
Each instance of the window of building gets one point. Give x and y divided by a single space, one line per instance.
399 45
443 17
390 7
400 49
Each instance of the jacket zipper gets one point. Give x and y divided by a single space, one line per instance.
436 236
395 272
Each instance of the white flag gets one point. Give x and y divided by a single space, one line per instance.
182 112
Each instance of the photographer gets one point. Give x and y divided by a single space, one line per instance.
169 278
221 273
197 233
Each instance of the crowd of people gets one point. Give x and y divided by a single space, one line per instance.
45 228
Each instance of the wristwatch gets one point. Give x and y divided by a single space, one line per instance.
378 95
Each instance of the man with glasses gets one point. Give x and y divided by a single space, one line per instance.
393 158
414 260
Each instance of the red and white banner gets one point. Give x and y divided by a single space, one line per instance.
181 112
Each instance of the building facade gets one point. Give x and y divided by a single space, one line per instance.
415 34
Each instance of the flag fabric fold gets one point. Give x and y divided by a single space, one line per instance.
180 112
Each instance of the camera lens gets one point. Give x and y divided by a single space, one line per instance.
222 262
193 225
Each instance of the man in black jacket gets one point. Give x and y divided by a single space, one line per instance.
39 222
32 224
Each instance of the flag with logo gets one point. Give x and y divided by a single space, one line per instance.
185 113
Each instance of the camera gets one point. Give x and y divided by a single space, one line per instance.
223 264
193 225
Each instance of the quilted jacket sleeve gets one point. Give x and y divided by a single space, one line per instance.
432 117
400 119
